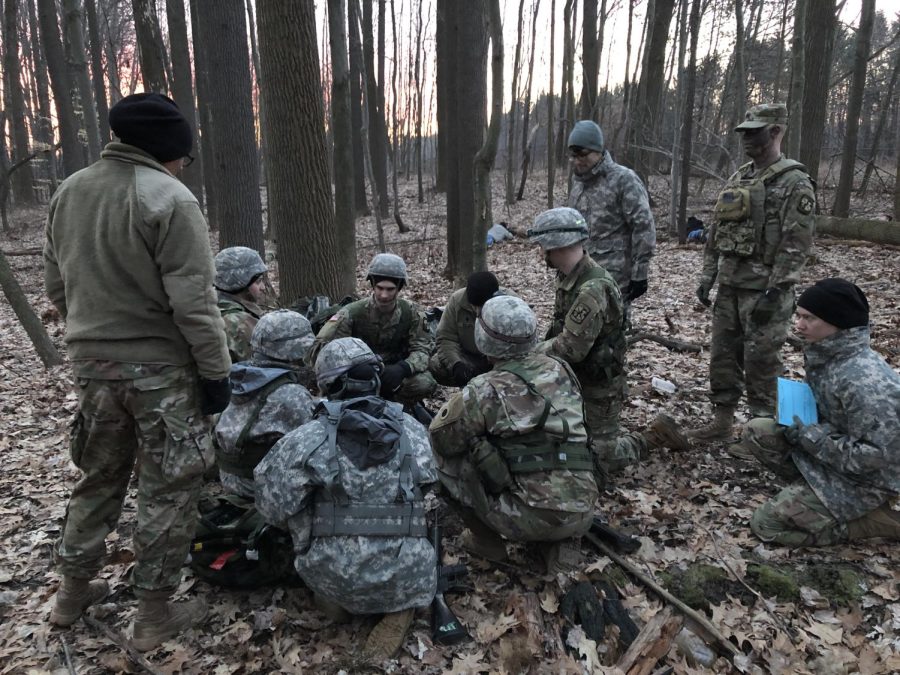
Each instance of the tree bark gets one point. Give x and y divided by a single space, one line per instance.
820 25
29 320
590 68
97 75
527 135
511 121
798 70
44 131
360 200
419 112
879 127
687 122
394 143
377 135
551 127
201 71
22 180
149 43
300 207
876 231
78 70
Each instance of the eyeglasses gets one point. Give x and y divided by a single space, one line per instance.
188 160
579 152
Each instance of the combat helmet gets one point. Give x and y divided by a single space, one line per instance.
558 228
281 335
336 361
236 267
506 327
387 266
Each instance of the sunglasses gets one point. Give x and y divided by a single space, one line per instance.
579 152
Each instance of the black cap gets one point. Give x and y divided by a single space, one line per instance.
480 287
153 123
837 301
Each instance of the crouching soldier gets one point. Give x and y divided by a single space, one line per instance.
240 281
512 448
269 398
348 486
846 467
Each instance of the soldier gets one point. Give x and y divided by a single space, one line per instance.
614 203
512 448
765 217
846 467
241 282
588 332
394 328
456 359
269 397
128 266
348 486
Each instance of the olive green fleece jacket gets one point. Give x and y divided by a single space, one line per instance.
127 263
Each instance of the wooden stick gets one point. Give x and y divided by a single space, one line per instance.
68 655
652 643
24 251
674 345
122 642
700 620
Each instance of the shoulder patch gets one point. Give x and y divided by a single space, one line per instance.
806 205
579 312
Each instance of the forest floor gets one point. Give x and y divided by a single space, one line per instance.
833 610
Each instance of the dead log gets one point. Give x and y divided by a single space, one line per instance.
876 231
854 243
652 644
29 320
540 635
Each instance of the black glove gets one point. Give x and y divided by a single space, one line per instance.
636 289
765 307
792 433
214 395
462 373
703 294
393 376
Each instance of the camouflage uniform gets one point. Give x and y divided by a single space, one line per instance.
512 447
318 489
386 335
849 462
455 340
614 202
240 315
236 268
760 245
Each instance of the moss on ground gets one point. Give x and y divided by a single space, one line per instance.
838 583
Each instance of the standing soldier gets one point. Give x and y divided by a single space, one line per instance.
128 266
393 327
588 331
615 205
757 247
241 282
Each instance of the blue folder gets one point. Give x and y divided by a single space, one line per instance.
795 398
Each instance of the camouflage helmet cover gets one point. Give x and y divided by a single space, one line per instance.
236 266
387 265
506 327
339 356
281 335
557 228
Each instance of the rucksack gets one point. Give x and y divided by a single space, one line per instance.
319 308
235 547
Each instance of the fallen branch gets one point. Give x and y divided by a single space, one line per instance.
122 643
652 644
69 665
877 231
671 343
701 621
855 243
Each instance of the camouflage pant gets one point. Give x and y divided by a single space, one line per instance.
745 353
506 513
795 516
414 389
613 449
156 420
444 376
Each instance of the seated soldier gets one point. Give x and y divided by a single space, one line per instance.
456 359
348 486
240 281
512 448
845 467
394 328
269 397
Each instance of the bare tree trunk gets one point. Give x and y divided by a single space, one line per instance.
29 320
879 127
551 127
418 76
527 135
395 129
149 42
739 100
776 85
590 67
22 180
818 46
567 94
97 75
854 107
798 70
687 122
260 108
78 71
511 121
682 30
376 115
360 200
44 132
443 91
201 70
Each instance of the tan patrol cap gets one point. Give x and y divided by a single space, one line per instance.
763 115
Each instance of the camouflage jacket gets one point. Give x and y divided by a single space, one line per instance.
383 332
363 574
240 316
498 405
614 202
779 230
851 458
588 325
266 403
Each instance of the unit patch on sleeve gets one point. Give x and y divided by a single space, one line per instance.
579 312
806 205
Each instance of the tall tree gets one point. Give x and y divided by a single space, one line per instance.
201 70
343 145
820 25
798 70
300 208
22 178
97 75
511 121
78 71
150 45
687 120
528 136
551 129
44 130
235 164
360 200
419 114
377 134
590 57
854 107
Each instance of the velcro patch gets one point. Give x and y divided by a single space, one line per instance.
806 205
579 312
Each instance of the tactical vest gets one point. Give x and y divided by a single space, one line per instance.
335 516
606 358
243 458
539 450
741 213
392 346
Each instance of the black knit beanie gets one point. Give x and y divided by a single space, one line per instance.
153 123
836 301
480 287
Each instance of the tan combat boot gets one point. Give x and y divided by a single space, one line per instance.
882 522
562 556
388 635
482 540
73 597
720 429
664 432
158 620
